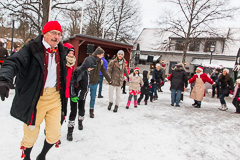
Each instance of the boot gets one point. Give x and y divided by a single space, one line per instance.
115 109
128 104
135 104
145 102
91 113
80 120
138 102
110 106
80 126
26 153
223 107
46 148
69 134
197 106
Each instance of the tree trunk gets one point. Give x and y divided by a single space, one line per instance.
45 11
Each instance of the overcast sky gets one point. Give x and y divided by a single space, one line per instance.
152 9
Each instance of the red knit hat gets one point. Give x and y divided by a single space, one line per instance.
200 69
136 69
52 25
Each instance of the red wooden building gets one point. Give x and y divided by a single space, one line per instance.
80 43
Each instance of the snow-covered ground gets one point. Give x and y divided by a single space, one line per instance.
157 131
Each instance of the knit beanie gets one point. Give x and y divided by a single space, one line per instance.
52 25
238 80
158 65
120 52
226 70
98 51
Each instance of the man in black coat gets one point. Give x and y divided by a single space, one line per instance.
157 76
40 68
214 78
178 80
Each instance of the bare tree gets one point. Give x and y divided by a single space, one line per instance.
36 11
121 21
193 18
73 18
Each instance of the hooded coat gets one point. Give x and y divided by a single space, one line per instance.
117 74
178 78
80 78
157 75
225 85
145 88
28 65
94 74
135 82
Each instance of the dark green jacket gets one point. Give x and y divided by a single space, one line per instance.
94 74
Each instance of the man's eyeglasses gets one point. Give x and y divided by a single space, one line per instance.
59 34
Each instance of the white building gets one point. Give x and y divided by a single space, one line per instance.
167 47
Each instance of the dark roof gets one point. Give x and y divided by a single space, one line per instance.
99 40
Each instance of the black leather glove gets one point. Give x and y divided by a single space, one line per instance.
4 89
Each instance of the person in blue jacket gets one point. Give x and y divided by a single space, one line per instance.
100 81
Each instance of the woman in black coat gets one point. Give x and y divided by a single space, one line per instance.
178 80
225 83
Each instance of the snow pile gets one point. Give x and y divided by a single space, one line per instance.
155 131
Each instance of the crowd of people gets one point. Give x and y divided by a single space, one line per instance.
46 79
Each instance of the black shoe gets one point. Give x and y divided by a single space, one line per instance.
194 104
127 107
69 134
135 106
145 102
115 109
80 126
124 93
178 105
69 137
110 106
138 103
197 106
172 104
100 96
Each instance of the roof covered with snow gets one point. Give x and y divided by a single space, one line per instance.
154 40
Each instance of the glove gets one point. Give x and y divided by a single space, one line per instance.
4 89
75 99
238 99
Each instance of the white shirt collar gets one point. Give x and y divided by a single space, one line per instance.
46 45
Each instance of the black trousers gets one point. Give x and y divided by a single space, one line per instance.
141 97
213 90
123 86
81 109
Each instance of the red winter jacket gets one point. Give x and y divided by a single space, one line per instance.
68 80
204 78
